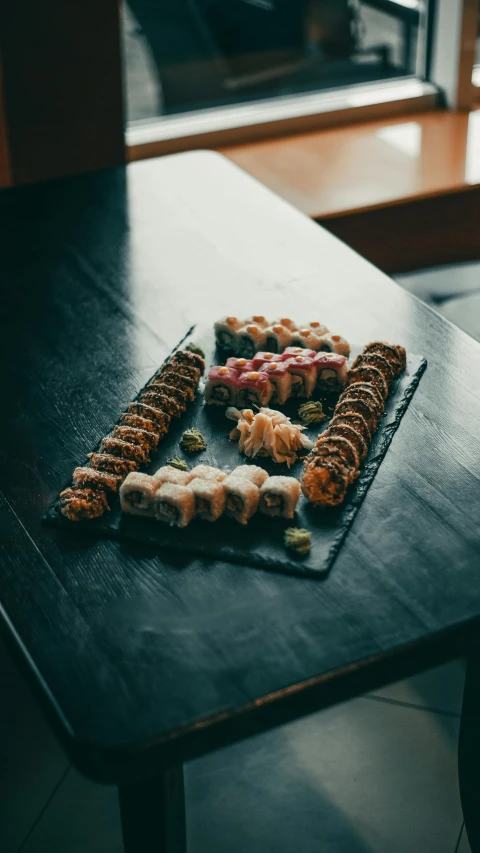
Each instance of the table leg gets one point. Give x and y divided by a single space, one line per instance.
153 814
469 750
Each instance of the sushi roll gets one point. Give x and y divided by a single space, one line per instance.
241 365
177 393
254 388
162 419
369 374
137 422
147 440
136 494
241 498
288 323
325 481
181 369
169 474
250 339
83 504
351 405
279 496
259 321
358 422
347 430
304 367
254 473
226 333
277 338
374 359
337 445
208 472
281 379
317 328
331 372
155 397
174 504
293 351
394 353
365 391
111 464
93 479
222 386
209 498
124 449
334 343
306 339
190 359
177 380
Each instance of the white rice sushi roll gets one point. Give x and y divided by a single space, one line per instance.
279 496
254 473
306 339
226 332
277 338
174 504
250 339
209 498
208 472
168 474
334 343
241 498
137 493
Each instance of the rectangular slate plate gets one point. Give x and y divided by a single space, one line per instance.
260 543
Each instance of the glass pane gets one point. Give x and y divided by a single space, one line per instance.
476 67
183 55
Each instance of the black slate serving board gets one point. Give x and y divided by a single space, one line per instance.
260 542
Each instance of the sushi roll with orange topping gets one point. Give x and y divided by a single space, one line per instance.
334 343
277 338
222 386
306 339
226 333
281 379
331 372
303 367
250 339
254 387
262 358
242 365
291 352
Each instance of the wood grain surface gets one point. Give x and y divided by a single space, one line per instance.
142 662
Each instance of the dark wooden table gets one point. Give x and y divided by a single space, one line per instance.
143 660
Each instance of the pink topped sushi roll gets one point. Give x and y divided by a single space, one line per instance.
334 343
304 367
262 358
243 365
281 379
291 352
277 338
331 371
222 386
254 388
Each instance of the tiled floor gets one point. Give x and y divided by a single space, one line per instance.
373 774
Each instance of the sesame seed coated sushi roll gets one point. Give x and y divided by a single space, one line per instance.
222 386
350 405
209 498
147 440
82 504
208 472
325 482
124 449
358 422
374 359
178 380
174 391
181 369
111 464
365 391
279 496
254 388
369 374
174 504
337 445
226 333
394 353
189 358
281 379
169 474
254 473
241 498
334 343
137 422
93 479
304 367
162 419
277 338
331 371
250 339
136 494
347 430
155 397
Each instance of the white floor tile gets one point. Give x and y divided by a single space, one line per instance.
439 689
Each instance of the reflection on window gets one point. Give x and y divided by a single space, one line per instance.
182 55
476 67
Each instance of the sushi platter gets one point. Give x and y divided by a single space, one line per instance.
203 462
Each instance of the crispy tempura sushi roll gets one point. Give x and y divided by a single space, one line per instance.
331 370
254 388
82 504
334 343
241 498
394 353
136 494
226 333
358 422
112 464
281 379
369 374
304 367
124 449
350 405
191 359
374 359
325 482
254 473
172 377
347 430
365 391
162 419
222 386
279 496
293 351
169 474
147 440
155 397
174 504
137 422
241 365
209 498
93 479
250 339
277 338
178 394
208 472
181 369
337 445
